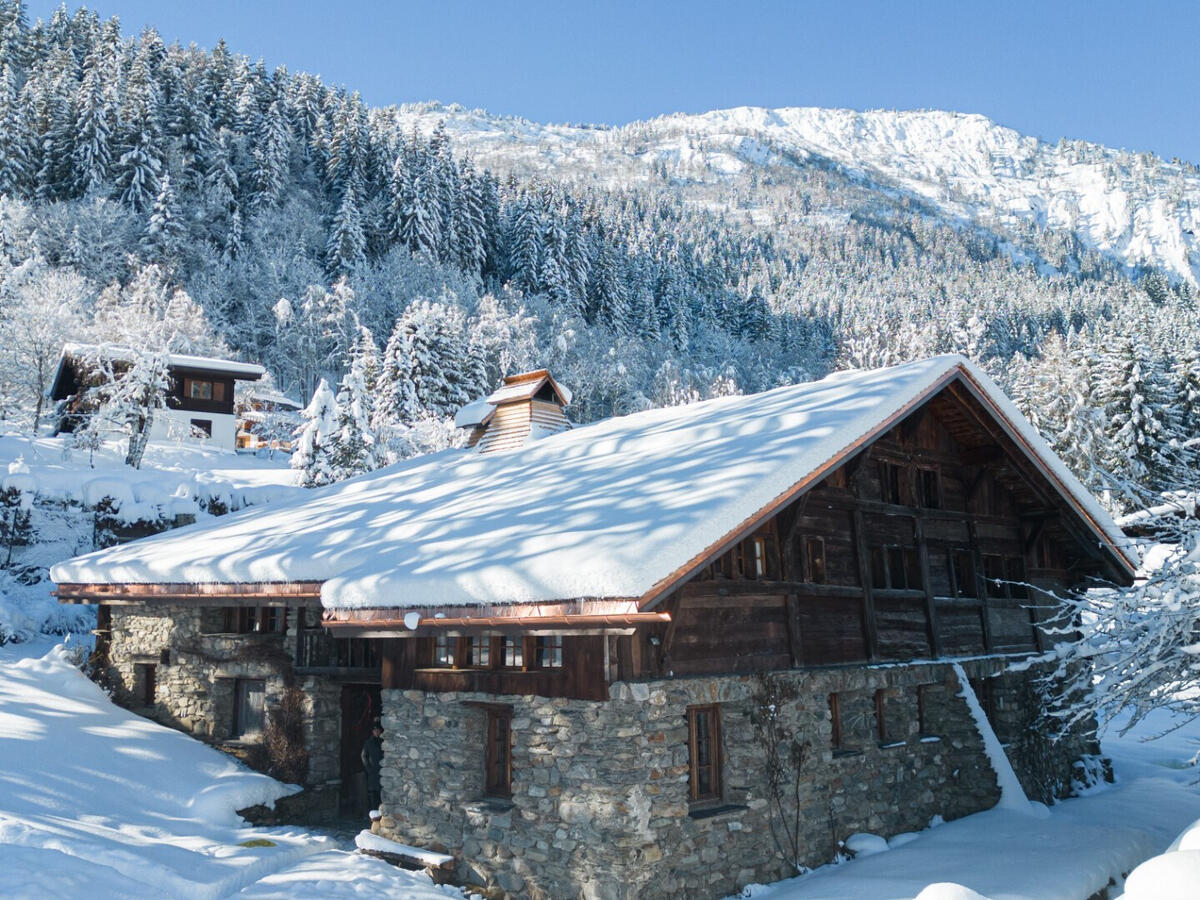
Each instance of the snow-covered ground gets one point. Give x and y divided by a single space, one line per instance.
1003 854
60 486
96 801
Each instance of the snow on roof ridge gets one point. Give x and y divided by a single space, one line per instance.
611 509
183 360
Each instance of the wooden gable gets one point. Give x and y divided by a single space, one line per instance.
934 540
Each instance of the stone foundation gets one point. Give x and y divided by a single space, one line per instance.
196 668
600 803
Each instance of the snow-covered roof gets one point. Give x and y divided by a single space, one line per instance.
180 360
616 509
525 386
475 413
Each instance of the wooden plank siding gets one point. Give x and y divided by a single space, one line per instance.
971 503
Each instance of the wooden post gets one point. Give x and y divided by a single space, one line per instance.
980 586
795 646
935 638
870 628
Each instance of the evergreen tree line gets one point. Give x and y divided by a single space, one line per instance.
324 240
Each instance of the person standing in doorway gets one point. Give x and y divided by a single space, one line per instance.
372 760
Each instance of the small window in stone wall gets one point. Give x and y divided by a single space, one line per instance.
886 729
249 707
146 682
704 753
498 753
850 721
926 727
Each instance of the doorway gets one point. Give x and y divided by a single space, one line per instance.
360 708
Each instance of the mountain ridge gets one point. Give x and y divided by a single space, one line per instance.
1134 208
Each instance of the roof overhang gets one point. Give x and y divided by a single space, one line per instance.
241 594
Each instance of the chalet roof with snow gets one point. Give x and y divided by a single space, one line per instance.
624 508
240 371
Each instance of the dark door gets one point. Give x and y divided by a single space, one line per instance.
360 708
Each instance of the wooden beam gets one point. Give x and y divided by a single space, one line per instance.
1035 535
870 626
795 642
668 638
935 637
980 587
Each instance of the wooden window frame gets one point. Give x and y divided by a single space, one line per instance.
501 653
882 722
497 772
1017 575
548 651
891 483
815 573
252 619
929 477
886 559
713 747
836 736
444 652
238 732
956 555
146 682
478 652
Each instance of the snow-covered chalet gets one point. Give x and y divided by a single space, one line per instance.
662 655
199 402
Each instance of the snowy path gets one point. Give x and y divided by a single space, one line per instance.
1003 854
99 802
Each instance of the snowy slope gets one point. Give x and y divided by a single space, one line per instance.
60 487
1134 208
99 802
606 510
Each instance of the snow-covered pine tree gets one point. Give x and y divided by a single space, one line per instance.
165 233
354 447
141 148
1135 397
312 457
346 247
15 134
271 158
92 129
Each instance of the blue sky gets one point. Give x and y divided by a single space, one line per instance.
1121 73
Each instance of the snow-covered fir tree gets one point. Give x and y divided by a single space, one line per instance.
354 447
313 453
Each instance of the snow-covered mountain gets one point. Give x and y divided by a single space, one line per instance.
1132 207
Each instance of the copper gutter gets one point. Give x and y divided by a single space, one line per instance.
627 620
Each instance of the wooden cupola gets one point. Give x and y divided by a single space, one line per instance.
524 408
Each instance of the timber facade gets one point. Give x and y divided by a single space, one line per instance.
800 680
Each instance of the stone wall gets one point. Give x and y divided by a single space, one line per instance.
600 804
196 669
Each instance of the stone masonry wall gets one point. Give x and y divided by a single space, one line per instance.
195 682
600 804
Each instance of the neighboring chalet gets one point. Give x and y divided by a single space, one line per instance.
199 402
589 643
